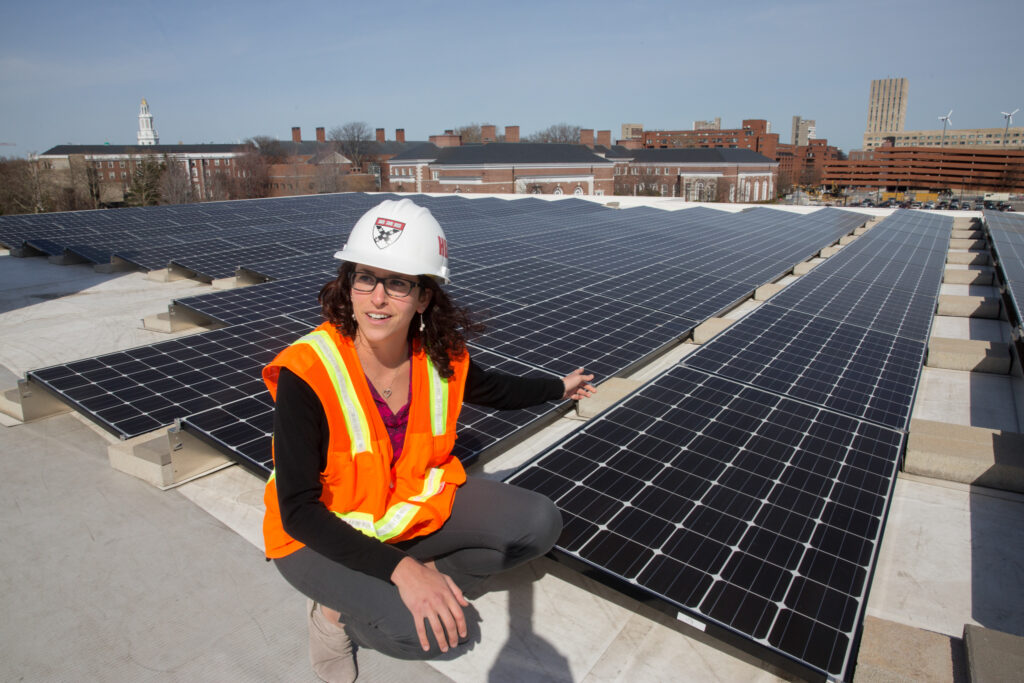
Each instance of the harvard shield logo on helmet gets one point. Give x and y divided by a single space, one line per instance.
386 232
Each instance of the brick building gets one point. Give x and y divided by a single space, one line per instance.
502 167
707 175
923 168
112 165
755 135
804 164
317 166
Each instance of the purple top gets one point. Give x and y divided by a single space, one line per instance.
394 422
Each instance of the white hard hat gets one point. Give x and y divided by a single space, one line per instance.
399 236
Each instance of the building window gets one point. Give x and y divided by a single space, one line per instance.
111 175
121 164
227 162
110 164
435 174
216 162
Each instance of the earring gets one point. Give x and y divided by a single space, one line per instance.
423 324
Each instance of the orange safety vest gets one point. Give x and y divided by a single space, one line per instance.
392 503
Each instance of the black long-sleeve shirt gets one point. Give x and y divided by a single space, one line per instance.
301 435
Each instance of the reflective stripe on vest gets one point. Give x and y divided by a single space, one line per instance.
438 399
355 419
399 515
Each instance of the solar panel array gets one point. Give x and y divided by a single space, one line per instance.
562 284
1006 230
748 487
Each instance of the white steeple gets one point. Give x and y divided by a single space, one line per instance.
147 134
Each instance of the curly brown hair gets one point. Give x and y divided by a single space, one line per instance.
448 326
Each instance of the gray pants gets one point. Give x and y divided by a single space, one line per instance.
493 527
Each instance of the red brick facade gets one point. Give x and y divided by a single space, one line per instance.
753 135
804 164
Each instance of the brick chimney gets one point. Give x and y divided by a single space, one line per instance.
400 134
587 137
296 134
511 133
604 137
380 135
320 137
488 133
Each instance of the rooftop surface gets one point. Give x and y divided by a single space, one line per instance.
107 578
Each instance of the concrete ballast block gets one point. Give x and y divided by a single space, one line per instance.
709 328
992 655
966 244
968 258
765 292
979 275
970 455
968 306
805 267
966 235
968 355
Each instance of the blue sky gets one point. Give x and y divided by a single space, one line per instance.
221 71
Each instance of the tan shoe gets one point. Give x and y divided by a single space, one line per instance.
330 650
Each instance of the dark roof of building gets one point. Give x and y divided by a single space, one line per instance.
616 152
422 150
713 155
517 153
64 150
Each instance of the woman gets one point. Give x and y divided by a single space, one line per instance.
368 513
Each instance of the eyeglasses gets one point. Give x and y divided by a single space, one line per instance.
397 287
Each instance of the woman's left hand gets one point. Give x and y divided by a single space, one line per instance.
577 385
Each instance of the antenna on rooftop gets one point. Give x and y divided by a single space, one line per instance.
945 119
1009 120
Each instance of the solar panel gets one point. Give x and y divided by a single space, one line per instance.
541 311
845 367
139 390
1007 234
756 514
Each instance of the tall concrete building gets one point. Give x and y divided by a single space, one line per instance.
803 130
887 108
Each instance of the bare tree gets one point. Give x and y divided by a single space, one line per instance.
353 140
470 133
784 184
175 186
328 177
559 132
271 149
253 171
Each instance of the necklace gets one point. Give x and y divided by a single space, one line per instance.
386 391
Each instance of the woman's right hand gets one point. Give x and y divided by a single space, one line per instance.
433 596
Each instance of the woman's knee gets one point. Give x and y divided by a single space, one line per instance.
541 524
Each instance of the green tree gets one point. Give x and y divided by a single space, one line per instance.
144 189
